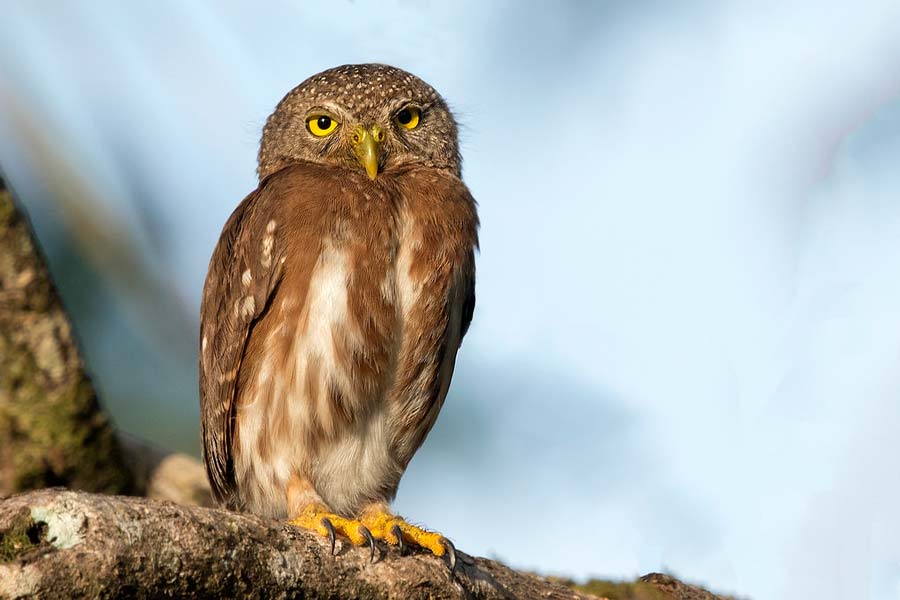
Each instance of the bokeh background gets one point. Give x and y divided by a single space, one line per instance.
686 350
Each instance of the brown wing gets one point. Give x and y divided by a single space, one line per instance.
444 264
244 271
468 308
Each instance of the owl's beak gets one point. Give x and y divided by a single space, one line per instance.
366 144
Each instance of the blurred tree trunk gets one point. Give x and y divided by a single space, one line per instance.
52 431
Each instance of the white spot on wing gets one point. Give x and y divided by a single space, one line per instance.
268 243
229 376
248 306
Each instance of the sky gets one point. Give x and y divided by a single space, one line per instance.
685 349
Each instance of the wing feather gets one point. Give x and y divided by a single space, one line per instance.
468 308
244 271
437 323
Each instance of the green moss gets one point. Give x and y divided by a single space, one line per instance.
617 590
22 537
6 206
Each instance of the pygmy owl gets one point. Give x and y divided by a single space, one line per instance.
335 303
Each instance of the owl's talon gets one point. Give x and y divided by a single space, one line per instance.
326 523
368 535
321 520
451 554
397 533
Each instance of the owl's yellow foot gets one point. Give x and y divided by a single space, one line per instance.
317 517
395 531
374 523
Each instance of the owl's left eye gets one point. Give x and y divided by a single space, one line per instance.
408 117
321 125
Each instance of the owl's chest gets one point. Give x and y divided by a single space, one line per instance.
345 339
327 353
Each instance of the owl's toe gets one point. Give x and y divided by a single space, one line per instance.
319 519
374 524
397 532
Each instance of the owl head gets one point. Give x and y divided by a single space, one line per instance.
370 117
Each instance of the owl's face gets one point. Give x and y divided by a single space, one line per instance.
371 117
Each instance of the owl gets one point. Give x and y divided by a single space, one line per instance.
335 303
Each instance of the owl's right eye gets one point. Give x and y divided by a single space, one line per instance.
321 125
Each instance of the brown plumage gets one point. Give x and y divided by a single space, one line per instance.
335 303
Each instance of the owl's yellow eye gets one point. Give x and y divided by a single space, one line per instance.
321 125
408 117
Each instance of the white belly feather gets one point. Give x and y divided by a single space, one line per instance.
352 462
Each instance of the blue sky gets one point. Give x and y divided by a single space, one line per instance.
686 343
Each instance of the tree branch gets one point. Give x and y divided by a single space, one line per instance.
61 543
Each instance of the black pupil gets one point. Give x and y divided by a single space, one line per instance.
324 122
404 117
